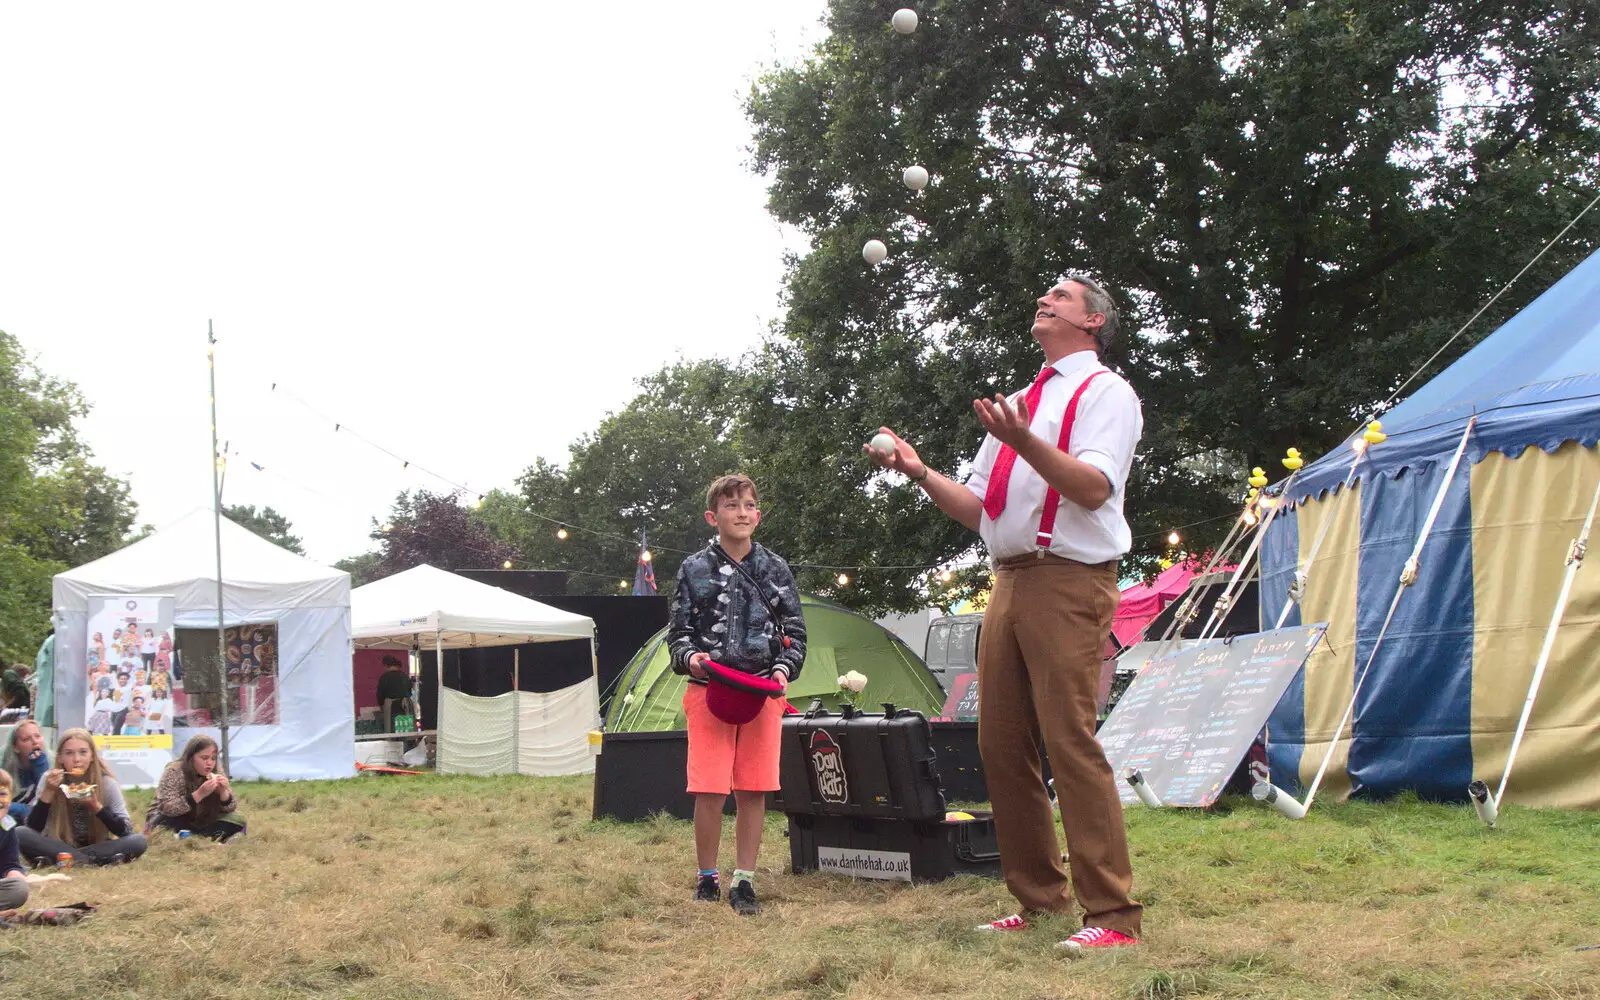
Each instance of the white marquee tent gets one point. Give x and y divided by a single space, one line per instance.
261 583
521 732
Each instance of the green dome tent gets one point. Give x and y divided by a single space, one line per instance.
649 696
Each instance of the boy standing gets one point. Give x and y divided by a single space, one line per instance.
736 605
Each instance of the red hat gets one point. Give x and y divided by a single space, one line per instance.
736 697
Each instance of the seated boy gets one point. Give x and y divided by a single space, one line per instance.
736 605
13 877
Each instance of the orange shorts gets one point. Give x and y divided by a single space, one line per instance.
724 757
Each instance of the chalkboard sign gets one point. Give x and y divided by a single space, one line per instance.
1188 719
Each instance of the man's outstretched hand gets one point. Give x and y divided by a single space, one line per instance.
1008 423
903 459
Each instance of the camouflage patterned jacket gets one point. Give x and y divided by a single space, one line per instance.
717 612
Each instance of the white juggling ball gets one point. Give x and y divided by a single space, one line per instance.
874 252
915 177
904 20
883 444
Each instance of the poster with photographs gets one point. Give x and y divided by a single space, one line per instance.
252 676
129 657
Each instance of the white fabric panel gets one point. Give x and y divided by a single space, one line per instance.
553 729
400 610
315 735
476 735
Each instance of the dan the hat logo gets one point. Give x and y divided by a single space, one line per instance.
828 766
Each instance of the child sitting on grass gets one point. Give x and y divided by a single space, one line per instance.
194 795
13 879
26 764
80 810
736 606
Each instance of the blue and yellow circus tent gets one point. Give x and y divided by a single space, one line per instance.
1441 700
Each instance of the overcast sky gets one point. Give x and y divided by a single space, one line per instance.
461 229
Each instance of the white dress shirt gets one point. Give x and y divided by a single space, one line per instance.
1105 433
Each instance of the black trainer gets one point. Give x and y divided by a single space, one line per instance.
707 890
742 897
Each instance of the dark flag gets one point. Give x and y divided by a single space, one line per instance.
644 575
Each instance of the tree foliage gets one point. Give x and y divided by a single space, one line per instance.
57 508
363 569
644 469
432 528
267 523
1295 203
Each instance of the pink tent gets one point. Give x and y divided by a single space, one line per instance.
1141 602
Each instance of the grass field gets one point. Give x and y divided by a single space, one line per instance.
457 887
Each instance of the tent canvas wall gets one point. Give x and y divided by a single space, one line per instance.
261 583
519 732
649 696
1442 698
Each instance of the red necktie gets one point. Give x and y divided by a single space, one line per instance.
994 498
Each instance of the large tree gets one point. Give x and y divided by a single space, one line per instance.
432 528
1296 203
644 470
57 508
267 523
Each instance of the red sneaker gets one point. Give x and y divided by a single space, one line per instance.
1097 937
1015 922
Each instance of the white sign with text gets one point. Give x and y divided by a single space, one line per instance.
890 865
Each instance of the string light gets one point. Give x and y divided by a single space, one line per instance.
1249 517
844 580
561 533
1174 538
622 585
946 576
644 556
506 564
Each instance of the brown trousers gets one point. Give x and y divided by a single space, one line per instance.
1039 656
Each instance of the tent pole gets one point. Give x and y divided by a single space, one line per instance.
438 712
1408 576
1574 559
1219 610
1302 573
216 513
516 711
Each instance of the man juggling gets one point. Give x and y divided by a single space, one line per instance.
1046 496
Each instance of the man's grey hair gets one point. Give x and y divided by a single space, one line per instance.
1099 301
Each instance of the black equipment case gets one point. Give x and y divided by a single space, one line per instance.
863 798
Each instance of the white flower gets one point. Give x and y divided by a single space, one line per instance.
855 681
844 682
627 699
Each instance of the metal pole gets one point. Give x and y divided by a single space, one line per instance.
1575 554
216 512
516 710
438 712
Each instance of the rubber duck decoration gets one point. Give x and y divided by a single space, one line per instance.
1292 460
1258 478
1374 433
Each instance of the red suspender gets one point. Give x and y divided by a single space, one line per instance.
1052 499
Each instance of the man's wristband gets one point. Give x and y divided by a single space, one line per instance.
924 477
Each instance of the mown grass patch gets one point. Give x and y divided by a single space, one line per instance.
436 888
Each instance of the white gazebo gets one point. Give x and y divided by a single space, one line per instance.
262 583
519 732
